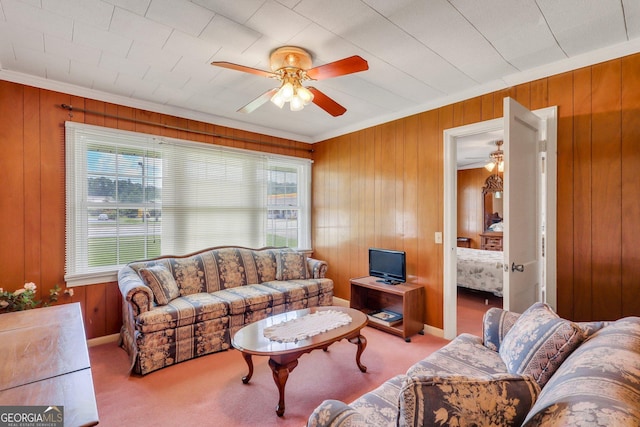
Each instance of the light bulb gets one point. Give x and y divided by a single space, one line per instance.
296 103
305 94
286 91
490 166
278 99
501 167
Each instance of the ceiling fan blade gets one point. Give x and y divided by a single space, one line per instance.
253 105
352 64
242 68
326 103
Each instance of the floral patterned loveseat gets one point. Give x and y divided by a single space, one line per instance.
534 369
180 307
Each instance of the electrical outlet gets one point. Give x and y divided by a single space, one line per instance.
439 237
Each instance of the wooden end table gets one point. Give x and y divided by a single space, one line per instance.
45 362
283 356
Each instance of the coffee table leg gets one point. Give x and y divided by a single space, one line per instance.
247 358
280 376
361 342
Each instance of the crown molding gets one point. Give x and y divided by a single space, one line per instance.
564 65
75 90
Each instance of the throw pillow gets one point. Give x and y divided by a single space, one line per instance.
161 282
291 265
496 323
539 342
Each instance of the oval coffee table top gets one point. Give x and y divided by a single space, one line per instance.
250 339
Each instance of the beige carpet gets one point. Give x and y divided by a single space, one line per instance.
208 391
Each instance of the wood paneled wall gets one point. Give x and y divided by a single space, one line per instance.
383 187
32 188
471 204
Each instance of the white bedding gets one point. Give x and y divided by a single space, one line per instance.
480 270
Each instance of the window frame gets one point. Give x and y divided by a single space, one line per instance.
76 181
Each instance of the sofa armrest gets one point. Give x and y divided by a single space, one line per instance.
501 400
134 290
333 413
317 268
495 325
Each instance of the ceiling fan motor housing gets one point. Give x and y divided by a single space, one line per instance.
287 57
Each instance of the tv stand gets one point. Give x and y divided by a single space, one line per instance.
369 294
388 282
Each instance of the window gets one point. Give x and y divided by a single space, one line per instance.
134 196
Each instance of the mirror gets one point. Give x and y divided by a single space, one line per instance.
492 201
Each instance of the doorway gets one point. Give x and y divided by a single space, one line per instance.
545 166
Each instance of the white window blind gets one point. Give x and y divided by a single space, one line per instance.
133 196
212 197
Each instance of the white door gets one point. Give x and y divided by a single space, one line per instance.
521 242
526 197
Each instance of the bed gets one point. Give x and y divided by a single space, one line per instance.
480 270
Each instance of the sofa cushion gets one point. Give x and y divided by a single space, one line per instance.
265 261
598 385
464 355
182 311
295 290
539 342
379 407
291 265
161 282
189 274
335 414
498 400
250 298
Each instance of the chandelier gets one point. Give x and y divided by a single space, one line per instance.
496 159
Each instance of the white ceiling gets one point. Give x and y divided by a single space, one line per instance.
156 54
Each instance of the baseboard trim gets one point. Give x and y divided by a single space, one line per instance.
103 340
436 332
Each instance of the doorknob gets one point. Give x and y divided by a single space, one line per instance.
518 267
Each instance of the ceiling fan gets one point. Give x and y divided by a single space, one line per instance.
292 66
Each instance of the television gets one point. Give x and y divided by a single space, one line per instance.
389 265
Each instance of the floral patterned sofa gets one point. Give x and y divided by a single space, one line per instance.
180 307
534 369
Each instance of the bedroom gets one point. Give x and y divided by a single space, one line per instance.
480 219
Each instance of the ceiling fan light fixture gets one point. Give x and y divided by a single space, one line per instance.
278 100
305 94
296 103
286 91
496 159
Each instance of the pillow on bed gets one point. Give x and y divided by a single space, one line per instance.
498 226
539 342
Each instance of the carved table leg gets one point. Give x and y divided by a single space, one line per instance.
361 342
247 358
280 376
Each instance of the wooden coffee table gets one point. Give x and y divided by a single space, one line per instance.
283 357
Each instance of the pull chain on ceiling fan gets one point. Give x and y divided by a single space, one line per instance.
292 66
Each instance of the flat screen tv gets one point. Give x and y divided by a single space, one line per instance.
389 265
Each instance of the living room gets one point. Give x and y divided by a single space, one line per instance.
375 186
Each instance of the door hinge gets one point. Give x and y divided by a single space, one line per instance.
542 146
